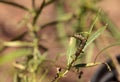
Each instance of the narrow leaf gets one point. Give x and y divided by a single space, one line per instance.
91 65
17 44
65 17
89 53
71 49
94 21
95 35
87 64
91 27
14 54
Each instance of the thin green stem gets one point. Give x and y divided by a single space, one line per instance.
115 44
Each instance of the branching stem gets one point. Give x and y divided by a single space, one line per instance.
78 52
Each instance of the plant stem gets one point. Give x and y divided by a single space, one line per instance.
38 12
49 2
78 52
33 4
14 4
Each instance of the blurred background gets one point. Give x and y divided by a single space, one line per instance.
54 37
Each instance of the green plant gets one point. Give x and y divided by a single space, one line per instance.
34 62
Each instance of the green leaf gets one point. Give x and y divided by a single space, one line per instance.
65 17
17 44
92 26
89 53
95 35
14 54
71 50
94 21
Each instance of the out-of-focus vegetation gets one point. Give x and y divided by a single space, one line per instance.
86 22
